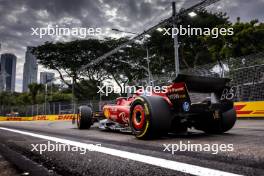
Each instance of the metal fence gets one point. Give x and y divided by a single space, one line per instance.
246 73
51 108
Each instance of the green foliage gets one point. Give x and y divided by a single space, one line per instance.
192 51
23 99
248 38
128 66
60 97
70 56
7 98
34 89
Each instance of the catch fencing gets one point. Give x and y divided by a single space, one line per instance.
49 108
246 74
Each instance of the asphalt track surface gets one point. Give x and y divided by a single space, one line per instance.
123 154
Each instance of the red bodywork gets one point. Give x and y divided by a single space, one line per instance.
120 111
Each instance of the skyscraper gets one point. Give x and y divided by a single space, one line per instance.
46 77
1 78
30 73
8 71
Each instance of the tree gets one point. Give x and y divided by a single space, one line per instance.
127 65
61 97
34 89
192 51
7 99
67 58
248 38
23 99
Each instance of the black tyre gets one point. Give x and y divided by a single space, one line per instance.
224 122
84 117
150 117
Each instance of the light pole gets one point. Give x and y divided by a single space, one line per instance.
200 5
148 65
73 97
139 66
100 98
1 79
1 76
148 62
147 50
175 40
46 91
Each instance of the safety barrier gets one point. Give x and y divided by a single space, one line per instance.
15 118
39 117
250 109
243 109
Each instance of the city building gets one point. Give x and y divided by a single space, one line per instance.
1 78
30 73
8 72
46 77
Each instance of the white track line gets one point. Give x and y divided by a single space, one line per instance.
168 164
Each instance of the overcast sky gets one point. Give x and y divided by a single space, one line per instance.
17 17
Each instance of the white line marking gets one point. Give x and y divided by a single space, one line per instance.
168 164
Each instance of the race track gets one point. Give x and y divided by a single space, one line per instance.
122 154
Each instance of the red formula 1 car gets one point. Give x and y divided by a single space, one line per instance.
169 111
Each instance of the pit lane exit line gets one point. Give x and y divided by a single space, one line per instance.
168 164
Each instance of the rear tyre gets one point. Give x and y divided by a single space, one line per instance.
150 117
223 123
84 117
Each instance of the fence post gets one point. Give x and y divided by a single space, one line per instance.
54 108
37 109
59 108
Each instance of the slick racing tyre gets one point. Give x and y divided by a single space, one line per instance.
221 122
84 117
150 116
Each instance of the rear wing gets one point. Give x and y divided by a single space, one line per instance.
203 84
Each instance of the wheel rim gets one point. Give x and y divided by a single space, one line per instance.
138 117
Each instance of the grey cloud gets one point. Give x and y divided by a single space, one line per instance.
18 16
